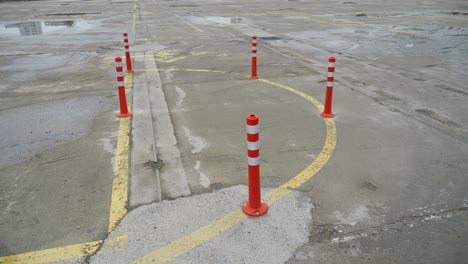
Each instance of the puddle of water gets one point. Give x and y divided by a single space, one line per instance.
211 20
2 1
270 38
38 27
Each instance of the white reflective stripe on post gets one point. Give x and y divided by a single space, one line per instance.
118 64
254 47
253 145
329 84
252 129
331 64
331 74
254 41
254 161
120 84
254 54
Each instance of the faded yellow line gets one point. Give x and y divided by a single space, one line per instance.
179 17
207 232
134 23
338 24
116 244
53 254
192 240
119 198
186 22
318 163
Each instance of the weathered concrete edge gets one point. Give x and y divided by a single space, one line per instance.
174 181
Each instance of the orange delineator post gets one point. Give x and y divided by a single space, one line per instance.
327 111
121 86
128 59
254 207
254 58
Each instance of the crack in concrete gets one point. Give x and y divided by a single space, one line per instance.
407 218
330 232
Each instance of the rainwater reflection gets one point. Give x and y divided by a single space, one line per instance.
33 28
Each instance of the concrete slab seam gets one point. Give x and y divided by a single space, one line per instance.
207 232
155 153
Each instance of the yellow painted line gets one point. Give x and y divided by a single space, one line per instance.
53 254
192 240
134 17
199 53
338 24
168 55
117 244
179 17
319 162
189 24
207 232
119 198
134 23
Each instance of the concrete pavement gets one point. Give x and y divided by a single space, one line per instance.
394 189
59 127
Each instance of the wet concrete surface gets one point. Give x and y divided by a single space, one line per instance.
396 181
395 189
59 126
34 128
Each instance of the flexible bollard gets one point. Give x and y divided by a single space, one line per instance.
254 207
254 58
327 111
121 86
127 53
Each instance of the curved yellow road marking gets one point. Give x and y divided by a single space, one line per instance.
319 162
209 231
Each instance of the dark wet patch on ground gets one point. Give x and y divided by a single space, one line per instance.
458 13
450 89
388 96
441 119
369 186
322 233
72 14
3 1
184 5
270 38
